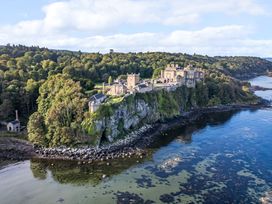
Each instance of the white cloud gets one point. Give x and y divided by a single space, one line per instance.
222 40
96 16
93 25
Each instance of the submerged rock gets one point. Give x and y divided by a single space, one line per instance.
267 199
171 163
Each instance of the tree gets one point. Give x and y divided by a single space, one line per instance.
156 73
61 104
36 129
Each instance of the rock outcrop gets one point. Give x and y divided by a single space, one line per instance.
114 121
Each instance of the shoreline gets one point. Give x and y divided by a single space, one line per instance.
132 146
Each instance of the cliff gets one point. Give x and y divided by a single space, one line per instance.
119 116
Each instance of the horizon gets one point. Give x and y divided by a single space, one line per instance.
66 50
226 28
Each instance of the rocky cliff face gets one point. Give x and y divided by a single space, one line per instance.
113 121
126 118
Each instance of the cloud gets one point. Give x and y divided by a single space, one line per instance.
94 25
222 40
96 16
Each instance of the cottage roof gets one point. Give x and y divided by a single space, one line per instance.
14 122
97 97
142 85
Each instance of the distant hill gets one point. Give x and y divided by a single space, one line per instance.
269 59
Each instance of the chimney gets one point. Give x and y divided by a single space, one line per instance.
17 117
103 88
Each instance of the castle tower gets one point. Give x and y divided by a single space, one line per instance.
132 80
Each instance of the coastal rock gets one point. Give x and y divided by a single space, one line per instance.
11 148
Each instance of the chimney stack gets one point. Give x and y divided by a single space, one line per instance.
103 90
17 117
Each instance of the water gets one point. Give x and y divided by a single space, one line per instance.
222 158
263 81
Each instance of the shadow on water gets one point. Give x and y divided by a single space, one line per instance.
184 133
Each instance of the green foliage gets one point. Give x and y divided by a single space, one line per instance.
37 129
51 83
88 124
110 80
60 112
23 70
214 101
157 73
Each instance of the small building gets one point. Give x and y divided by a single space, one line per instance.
95 101
14 126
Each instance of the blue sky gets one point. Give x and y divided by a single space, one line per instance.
212 27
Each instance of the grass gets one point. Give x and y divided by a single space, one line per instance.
22 136
114 100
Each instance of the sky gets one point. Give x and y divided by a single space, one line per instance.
207 27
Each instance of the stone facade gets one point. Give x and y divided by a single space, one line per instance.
173 74
95 101
132 81
117 89
130 86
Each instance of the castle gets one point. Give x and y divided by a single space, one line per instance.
132 85
172 76
188 76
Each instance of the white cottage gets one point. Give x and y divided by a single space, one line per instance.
14 126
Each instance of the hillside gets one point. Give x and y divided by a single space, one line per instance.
24 70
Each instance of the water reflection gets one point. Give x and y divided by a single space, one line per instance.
72 172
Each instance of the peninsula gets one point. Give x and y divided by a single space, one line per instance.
77 104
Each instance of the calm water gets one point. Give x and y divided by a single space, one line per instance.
223 158
263 81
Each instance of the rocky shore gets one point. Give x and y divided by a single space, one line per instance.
15 149
120 149
259 88
133 145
